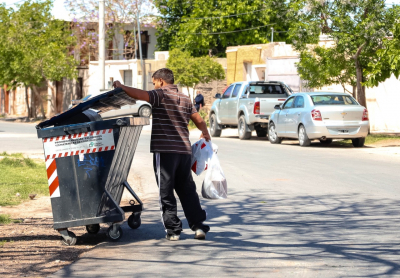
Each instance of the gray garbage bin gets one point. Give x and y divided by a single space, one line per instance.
87 167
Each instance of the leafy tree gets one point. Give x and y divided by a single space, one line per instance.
191 71
204 27
359 29
34 48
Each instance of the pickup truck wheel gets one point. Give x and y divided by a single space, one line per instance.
261 132
242 129
214 128
272 136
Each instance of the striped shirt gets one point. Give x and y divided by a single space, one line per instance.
171 114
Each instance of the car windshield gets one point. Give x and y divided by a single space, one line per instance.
267 90
333 100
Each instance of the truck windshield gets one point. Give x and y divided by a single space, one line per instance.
333 100
267 91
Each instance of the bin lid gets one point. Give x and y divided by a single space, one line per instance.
104 102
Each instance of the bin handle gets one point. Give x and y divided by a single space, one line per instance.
77 129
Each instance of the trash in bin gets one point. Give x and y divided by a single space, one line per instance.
87 162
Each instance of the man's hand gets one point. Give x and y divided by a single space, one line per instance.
206 136
117 84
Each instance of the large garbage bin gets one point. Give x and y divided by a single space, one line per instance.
88 161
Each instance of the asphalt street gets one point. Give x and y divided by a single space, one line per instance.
291 212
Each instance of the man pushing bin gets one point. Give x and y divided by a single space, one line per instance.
172 152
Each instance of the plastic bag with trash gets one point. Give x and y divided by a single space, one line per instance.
201 154
214 184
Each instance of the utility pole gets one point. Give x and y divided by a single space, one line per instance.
102 45
140 51
272 34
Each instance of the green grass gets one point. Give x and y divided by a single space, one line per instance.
5 219
369 140
204 115
21 175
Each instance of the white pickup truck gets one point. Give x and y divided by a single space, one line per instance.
247 106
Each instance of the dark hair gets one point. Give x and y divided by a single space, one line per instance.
166 74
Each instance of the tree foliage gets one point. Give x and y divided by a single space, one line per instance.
360 30
189 25
34 48
191 71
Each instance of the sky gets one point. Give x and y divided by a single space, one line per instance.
60 12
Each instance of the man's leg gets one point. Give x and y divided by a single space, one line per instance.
165 165
185 187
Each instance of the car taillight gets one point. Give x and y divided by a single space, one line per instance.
257 107
365 115
316 115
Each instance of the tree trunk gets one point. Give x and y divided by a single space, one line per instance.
27 101
359 73
33 105
40 101
52 111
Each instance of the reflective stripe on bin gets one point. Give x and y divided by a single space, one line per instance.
80 143
52 178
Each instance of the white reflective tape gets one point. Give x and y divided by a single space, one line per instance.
53 177
56 193
48 162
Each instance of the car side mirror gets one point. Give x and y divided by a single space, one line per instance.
277 107
217 96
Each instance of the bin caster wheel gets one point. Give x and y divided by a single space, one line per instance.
93 229
114 236
70 239
134 221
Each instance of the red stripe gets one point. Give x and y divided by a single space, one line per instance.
88 151
92 133
47 157
106 148
104 131
69 136
50 170
74 136
94 150
98 132
60 155
53 186
110 130
51 139
66 154
77 152
44 140
86 134
82 151
80 135
58 138
54 156
72 153
63 137
112 147
100 149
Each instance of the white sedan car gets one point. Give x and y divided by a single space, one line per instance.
323 116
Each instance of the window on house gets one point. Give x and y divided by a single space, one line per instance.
145 44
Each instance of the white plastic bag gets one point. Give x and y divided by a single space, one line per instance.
201 154
214 184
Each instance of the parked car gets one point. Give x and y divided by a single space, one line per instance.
247 106
141 108
323 116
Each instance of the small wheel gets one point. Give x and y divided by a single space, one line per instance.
303 137
71 240
145 111
242 129
214 127
261 132
134 221
93 229
358 142
272 136
326 141
114 237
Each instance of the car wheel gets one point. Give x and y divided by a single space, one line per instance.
358 142
326 141
242 129
261 132
272 136
145 111
303 137
214 127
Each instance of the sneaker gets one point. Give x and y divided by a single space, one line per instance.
172 237
199 234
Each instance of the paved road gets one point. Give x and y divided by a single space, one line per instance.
19 137
291 212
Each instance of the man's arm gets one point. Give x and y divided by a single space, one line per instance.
133 92
201 124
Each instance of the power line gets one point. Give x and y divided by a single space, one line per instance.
212 17
217 33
